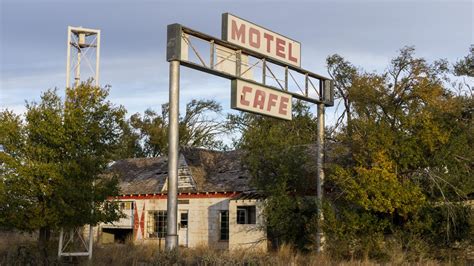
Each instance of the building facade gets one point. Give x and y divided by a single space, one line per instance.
216 206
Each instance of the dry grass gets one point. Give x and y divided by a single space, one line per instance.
9 238
149 255
20 249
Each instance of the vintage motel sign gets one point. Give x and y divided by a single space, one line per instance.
244 49
230 58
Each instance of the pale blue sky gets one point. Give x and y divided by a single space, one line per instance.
368 33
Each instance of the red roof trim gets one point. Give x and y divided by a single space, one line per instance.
199 195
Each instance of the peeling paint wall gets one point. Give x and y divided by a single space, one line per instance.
203 223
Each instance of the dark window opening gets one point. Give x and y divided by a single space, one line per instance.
184 220
114 235
156 226
246 215
224 232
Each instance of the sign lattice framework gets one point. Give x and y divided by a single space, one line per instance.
180 46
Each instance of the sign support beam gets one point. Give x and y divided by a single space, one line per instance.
173 153
320 175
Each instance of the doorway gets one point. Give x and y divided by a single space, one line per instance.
183 228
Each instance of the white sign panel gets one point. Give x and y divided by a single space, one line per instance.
248 35
226 62
258 99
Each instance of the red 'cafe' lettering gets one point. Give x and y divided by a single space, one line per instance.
242 97
259 99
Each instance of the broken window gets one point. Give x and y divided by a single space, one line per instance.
224 234
156 226
246 215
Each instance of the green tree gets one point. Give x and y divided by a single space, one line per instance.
199 127
342 73
465 66
408 148
12 139
130 142
277 156
31 172
51 166
93 128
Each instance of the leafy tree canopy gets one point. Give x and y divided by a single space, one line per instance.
277 156
54 155
465 66
407 142
199 127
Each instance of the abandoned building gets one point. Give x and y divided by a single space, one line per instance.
216 206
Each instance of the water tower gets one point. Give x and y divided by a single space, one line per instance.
83 53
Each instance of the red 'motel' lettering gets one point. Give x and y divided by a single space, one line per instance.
269 41
254 38
238 34
283 105
280 47
245 90
290 55
263 41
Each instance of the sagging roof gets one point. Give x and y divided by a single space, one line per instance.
199 170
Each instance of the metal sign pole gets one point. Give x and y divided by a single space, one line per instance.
173 153
320 175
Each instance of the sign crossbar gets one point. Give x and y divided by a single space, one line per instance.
179 41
